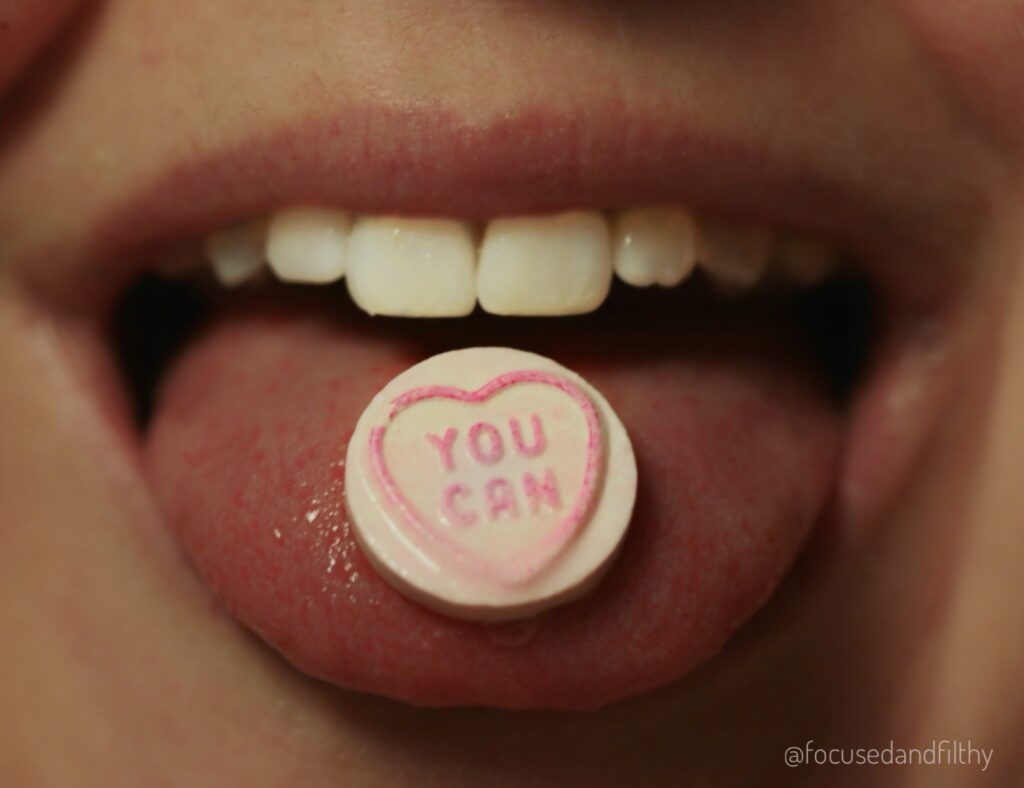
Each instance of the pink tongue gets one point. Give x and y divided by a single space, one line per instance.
735 444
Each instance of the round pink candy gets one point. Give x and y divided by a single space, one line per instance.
490 483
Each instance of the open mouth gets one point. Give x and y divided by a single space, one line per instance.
775 361
736 356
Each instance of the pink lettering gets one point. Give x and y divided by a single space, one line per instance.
497 448
444 445
539 440
451 512
501 499
545 492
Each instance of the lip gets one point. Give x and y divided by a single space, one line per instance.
426 161
432 161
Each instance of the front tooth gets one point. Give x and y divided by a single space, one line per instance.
735 255
308 245
545 265
236 254
655 246
412 267
805 259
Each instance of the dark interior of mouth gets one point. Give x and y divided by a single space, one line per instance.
246 400
837 319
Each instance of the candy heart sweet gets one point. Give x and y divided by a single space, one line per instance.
532 504
490 483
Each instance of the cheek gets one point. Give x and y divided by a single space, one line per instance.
979 46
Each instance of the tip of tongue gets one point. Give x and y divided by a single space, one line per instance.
735 444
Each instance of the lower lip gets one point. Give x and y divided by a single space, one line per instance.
736 444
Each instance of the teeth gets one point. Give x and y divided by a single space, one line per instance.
550 265
236 254
412 267
534 265
308 245
655 246
734 255
804 259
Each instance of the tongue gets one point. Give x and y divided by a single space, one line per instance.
735 442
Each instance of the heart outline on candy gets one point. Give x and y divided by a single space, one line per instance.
527 563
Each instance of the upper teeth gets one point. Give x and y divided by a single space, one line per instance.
655 246
236 254
412 267
545 265
308 245
735 254
542 265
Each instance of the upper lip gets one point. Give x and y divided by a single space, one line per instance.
428 161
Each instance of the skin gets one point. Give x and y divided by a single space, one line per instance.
112 661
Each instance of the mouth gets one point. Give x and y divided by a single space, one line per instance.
775 344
